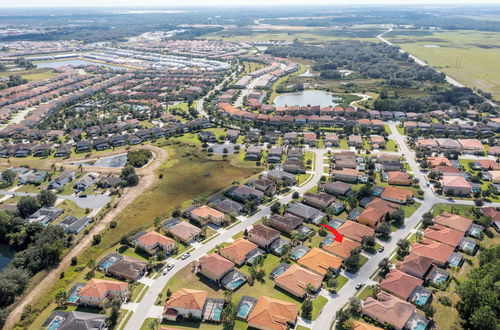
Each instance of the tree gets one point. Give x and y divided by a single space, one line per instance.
484 318
114 312
96 239
228 316
427 219
295 195
27 205
61 297
352 200
385 266
355 305
228 296
46 198
9 176
398 216
275 208
307 308
368 242
157 223
351 263
383 231
129 176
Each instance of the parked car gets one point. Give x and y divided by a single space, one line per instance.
359 286
381 249
185 256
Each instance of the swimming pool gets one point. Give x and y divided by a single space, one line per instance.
236 284
217 313
419 326
475 232
73 298
279 272
108 263
298 254
421 300
328 240
440 278
469 246
455 261
56 322
244 310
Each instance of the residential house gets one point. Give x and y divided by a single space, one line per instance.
83 146
341 249
74 225
355 231
416 265
331 140
319 200
97 291
238 251
184 231
282 176
232 135
297 279
453 221
455 185
294 166
128 268
228 206
346 175
320 261
253 153
486 165
444 235
355 141
438 252
75 320
275 154
400 283
86 181
263 235
337 188
273 314
214 266
309 214
438 161
397 195
62 180
285 223
185 303
398 178
205 214
267 186
153 242
471 146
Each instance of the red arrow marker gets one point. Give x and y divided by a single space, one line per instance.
336 235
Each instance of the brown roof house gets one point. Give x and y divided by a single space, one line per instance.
238 251
456 185
341 249
263 235
438 252
285 223
337 188
153 242
295 280
320 200
273 314
128 268
453 221
184 231
267 186
416 265
214 266
444 235
204 214
346 175
388 309
355 231
186 303
320 261
397 195
398 178
400 284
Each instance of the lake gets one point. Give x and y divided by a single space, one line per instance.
111 161
76 62
303 98
6 255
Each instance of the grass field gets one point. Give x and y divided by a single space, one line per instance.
30 75
470 57
187 175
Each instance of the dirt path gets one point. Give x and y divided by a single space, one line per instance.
148 180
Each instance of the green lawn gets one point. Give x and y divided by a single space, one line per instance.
70 208
367 291
391 145
318 305
341 281
411 208
136 292
463 210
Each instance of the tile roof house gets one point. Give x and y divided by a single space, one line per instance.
341 249
416 265
238 251
454 221
273 314
184 231
397 195
398 178
346 175
388 309
355 231
153 241
337 188
296 279
456 185
364 326
486 165
319 200
285 223
471 146
438 161
244 193
400 284
204 214
76 321
128 268
438 252
320 261
444 235
214 266
375 212
185 302
305 212
263 235
97 291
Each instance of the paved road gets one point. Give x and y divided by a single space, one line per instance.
423 63
146 307
90 202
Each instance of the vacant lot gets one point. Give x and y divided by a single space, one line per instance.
471 57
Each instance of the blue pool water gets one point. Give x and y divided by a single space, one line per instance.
422 300
74 297
235 284
217 313
108 263
56 322
419 326
279 272
298 255
455 262
328 240
440 279
244 310
475 232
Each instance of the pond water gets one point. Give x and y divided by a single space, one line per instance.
76 62
304 98
111 161
6 255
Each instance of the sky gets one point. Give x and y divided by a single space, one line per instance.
253 3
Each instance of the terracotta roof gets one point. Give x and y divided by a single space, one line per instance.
184 230
153 237
320 261
187 299
415 264
295 280
444 235
341 249
362 326
206 211
387 308
488 164
264 232
215 264
454 221
446 169
355 231
455 181
238 249
436 251
401 194
98 288
270 313
438 161
398 177
400 284
346 171
471 144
